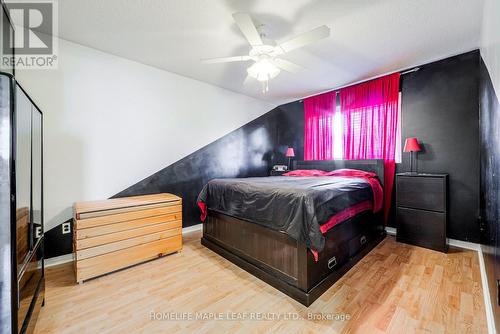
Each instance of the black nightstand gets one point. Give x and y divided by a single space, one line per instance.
422 210
277 173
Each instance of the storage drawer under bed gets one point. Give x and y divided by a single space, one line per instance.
343 242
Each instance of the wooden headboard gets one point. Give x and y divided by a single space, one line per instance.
375 166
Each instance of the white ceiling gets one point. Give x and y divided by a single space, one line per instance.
369 37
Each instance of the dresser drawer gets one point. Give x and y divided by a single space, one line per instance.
427 193
103 264
422 228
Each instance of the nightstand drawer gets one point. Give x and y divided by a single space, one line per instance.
427 193
422 228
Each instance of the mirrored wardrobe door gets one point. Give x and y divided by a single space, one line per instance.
23 176
6 286
36 174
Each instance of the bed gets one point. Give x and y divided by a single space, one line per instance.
285 257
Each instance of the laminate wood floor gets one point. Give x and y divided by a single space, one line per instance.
396 288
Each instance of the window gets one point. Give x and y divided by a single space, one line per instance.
399 151
338 133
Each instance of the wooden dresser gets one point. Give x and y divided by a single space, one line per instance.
117 233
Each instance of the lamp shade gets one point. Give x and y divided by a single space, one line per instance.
411 145
290 153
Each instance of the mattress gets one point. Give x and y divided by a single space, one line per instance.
303 207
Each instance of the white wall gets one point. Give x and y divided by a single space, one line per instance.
490 41
110 122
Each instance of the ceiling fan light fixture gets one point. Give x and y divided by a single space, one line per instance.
265 52
263 70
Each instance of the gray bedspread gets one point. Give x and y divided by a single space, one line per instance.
297 206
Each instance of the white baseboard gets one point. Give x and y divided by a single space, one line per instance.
486 293
192 228
54 261
464 244
451 242
390 230
484 280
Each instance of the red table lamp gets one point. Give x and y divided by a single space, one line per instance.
412 146
289 154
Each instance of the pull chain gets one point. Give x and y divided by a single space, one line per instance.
265 86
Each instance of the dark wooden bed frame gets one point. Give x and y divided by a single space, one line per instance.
287 264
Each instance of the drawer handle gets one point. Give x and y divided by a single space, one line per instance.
362 240
332 262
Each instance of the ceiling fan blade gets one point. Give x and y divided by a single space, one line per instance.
287 65
247 27
304 39
225 59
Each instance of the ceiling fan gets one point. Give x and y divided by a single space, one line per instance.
266 53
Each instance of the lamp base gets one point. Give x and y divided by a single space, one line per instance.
412 172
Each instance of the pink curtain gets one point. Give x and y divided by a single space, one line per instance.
370 116
318 126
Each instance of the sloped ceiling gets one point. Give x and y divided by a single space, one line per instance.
369 37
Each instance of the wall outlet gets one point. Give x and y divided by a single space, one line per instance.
66 228
38 232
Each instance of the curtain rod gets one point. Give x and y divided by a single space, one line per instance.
410 71
402 72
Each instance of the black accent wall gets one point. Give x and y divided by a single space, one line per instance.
490 184
289 131
440 107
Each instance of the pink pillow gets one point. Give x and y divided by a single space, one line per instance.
351 172
306 172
